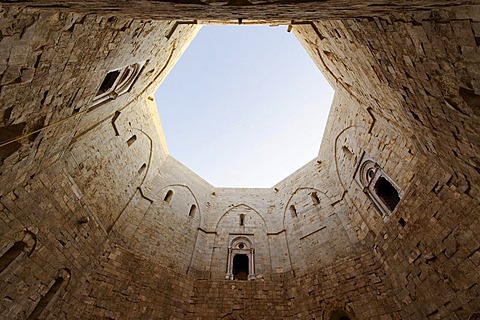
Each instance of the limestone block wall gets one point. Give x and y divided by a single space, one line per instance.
53 53
127 285
63 187
88 230
164 221
317 227
226 11
237 300
413 80
356 284
44 214
419 71
436 250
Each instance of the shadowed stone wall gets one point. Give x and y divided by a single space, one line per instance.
84 199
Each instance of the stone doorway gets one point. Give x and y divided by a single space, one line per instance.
240 267
240 260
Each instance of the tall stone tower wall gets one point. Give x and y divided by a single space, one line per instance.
98 221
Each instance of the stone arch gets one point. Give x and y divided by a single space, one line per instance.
149 161
238 206
22 244
170 188
117 82
228 228
195 215
352 155
289 201
319 234
61 281
337 159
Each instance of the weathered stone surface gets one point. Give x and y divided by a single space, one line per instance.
87 194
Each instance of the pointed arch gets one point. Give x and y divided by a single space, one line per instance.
170 187
289 204
61 281
197 210
23 242
238 206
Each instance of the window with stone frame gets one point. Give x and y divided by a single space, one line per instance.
378 186
117 82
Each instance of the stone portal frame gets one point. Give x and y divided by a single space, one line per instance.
117 82
241 245
369 175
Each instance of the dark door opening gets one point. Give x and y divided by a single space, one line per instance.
240 267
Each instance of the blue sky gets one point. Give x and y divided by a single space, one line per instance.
245 106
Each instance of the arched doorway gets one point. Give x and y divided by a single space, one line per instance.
240 260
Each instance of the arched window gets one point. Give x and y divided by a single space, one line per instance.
142 168
131 140
240 260
168 196
25 242
384 193
315 198
117 82
242 220
61 280
8 257
293 211
193 209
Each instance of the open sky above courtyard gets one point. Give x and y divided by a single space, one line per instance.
245 106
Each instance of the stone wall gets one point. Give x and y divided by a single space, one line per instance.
88 229
45 213
239 12
239 300
62 188
126 285
415 89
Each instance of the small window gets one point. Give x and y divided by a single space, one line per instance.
108 82
293 211
142 168
242 220
315 198
117 82
131 140
385 191
168 196
382 190
47 298
8 257
193 209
